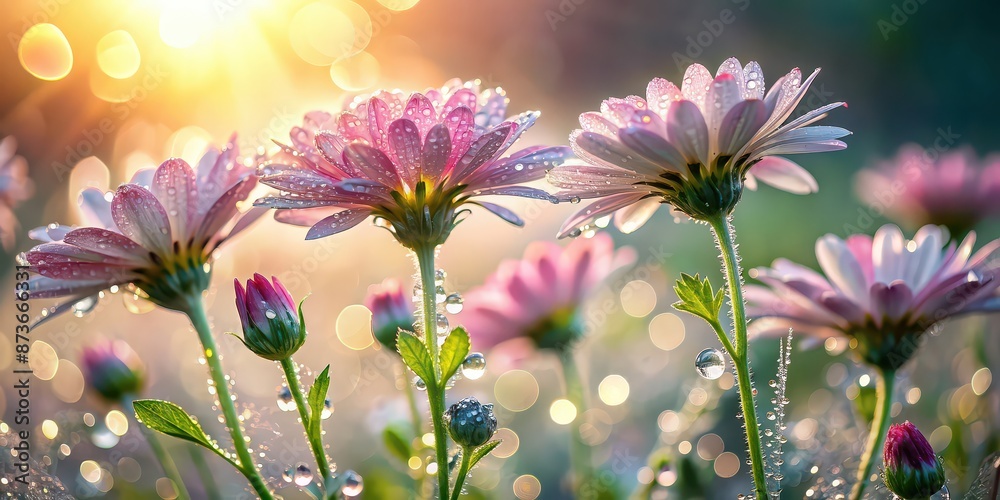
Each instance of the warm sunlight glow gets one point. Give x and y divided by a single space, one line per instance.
45 53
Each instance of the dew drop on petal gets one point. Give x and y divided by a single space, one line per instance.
710 363
453 304
302 476
353 484
84 306
474 366
270 314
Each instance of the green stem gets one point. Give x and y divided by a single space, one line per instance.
166 462
207 479
435 388
880 425
738 351
312 424
580 452
196 312
463 470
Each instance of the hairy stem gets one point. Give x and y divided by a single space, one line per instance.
196 312
463 470
580 453
416 418
166 462
312 424
880 425
435 388
738 351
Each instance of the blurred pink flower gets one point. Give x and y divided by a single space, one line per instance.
956 189
693 147
156 232
392 310
113 370
15 187
411 160
884 291
539 297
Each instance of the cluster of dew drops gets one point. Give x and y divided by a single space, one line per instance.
474 365
351 482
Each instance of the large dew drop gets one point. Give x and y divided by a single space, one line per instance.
442 325
474 366
710 363
327 410
453 304
353 484
285 400
302 476
84 306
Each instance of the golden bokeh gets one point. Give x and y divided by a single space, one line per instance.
516 390
562 411
354 327
613 390
43 360
118 55
45 52
358 72
666 331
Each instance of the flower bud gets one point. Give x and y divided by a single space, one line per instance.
470 423
113 370
391 310
271 327
911 468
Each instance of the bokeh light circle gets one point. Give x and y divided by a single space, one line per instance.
45 52
118 55
516 390
357 72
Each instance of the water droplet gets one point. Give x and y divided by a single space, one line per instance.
442 325
302 476
771 416
327 410
287 475
353 484
474 366
439 277
453 304
285 400
270 314
84 306
440 295
417 292
710 363
574 199
419 384
772 383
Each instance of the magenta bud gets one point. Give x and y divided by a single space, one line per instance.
392 310
113 370
272 328
912 470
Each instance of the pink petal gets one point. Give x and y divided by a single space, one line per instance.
740 125
174 185
597 210
784 175
404 137
373 162
141 217
634 216
421 112
340 221
224 209
480 152
502 212
461 125
303 217
686 129
655 148
842 269
105 242
95 208
600 150
695 84
437 148
660 93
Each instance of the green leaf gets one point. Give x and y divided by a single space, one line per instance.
317 395
698 298
396 444
415 355
453 352
482 451
172 420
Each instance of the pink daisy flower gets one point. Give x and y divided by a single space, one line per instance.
15 188
694 147
956 189
883 292
411 160
539 297
157 232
